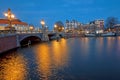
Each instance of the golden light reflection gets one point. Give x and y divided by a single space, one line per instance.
99 44
85 46
118 38
51 58
60 53
110 42
13 68
43 60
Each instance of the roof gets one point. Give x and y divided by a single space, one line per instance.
14 21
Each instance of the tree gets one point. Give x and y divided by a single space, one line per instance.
59 26
111 21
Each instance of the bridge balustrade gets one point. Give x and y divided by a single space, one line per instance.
4 33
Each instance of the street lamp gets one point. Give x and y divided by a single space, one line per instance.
31 28
45 34
56 31
9 16
42 23
43 26
55 27
63 28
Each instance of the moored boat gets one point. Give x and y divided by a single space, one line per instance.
90 35
109 34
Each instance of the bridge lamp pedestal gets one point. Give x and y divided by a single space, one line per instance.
31 28
10 17
56 30
45 35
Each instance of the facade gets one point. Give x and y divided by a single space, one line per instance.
16 24
116 28
99 23
73 25
97 26
85 28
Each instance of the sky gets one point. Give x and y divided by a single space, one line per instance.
84 11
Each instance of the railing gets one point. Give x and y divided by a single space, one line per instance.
4 33
26 32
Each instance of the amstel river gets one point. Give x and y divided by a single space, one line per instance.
67 59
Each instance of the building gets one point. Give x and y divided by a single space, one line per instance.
15 23
73 25
116 28
96 26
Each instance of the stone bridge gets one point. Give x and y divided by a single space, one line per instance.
12 40
24 38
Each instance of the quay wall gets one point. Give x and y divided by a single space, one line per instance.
7 43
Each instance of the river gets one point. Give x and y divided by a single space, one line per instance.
67 59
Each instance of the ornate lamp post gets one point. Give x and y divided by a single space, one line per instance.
10 16
31 28
55 27
63 29
45 35
56 30
42 23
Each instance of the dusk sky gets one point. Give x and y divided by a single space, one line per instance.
32 11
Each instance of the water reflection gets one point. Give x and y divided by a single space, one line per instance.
85 47
43 61
60 53
51 58
68 59
110 42
13 67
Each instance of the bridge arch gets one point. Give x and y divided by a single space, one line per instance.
32 38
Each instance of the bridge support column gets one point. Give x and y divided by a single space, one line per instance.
45 34
18 42
7 43
57 35
45 37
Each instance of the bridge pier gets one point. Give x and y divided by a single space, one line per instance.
8 43
45 37
45 33
17 40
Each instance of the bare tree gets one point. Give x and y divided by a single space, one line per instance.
111 21
59 26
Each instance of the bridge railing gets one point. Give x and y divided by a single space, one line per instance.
26 32
50 32
4 33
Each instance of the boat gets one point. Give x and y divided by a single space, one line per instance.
109 34
90 35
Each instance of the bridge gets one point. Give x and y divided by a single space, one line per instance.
13 39
14 32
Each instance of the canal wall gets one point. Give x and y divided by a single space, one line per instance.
8 43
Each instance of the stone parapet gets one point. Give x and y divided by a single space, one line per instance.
7 43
